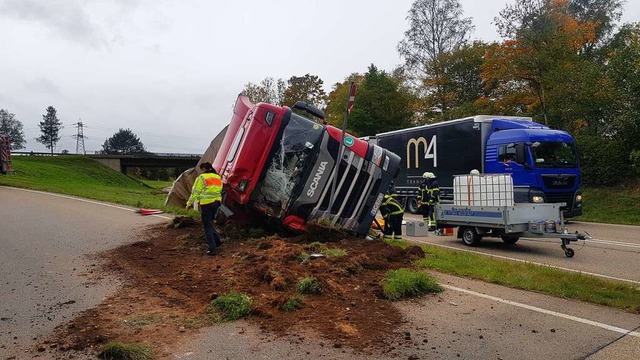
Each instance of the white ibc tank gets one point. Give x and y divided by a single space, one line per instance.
483 190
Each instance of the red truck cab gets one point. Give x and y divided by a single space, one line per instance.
284 165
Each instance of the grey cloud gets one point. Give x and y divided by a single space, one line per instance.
64 17
42 85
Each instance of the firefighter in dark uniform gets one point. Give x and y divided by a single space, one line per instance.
392 212
429 198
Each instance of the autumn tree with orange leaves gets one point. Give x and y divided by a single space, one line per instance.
541 67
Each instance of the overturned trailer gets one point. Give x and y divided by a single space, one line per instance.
292 169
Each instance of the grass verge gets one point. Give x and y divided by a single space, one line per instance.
403 283
614 205
83 177
124 351
532 277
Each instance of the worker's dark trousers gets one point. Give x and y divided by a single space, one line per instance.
207 214
393 225
428 215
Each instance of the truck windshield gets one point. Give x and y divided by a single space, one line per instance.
554 154
292 157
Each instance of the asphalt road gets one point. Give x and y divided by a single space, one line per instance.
46 275
47 279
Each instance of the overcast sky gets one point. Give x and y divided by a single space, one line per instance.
170 70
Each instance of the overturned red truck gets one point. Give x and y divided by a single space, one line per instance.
277 163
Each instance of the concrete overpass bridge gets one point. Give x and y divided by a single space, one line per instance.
147 160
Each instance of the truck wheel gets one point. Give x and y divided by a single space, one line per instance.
470 236
509 239
412 205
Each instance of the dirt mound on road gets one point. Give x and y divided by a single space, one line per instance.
169 283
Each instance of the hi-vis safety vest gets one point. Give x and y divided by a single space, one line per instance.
390 207
434 193
206 189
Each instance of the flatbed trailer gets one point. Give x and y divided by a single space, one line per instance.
510 223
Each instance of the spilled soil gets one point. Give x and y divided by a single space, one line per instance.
169 283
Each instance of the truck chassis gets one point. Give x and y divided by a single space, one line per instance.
510 223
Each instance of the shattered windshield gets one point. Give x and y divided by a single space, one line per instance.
293 155
554 154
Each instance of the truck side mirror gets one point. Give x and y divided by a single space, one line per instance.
310 109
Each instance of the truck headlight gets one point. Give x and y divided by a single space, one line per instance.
579 198
242 186
537 199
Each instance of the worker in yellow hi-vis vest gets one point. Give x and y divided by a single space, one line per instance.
207 193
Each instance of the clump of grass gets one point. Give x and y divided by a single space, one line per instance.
318 247
403 283
231 306
125 351
335 252
296 302
309 285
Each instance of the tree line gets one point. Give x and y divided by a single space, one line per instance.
124 141
566 63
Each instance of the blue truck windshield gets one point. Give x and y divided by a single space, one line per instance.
554 155
293 155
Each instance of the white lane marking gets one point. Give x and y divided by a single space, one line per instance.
83 200
529 262
588 242
613 243
548 312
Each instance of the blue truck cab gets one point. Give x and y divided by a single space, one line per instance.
543 162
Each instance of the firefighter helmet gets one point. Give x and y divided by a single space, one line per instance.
429 175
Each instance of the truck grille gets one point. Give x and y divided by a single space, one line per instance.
356 188
559 198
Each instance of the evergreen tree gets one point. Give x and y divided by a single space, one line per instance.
50 127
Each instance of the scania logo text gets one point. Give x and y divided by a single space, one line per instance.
316 179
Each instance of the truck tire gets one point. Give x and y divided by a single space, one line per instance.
509 239
470 236
412 205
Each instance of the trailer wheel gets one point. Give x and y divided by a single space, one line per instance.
412 205
509 239
470 236
569 253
